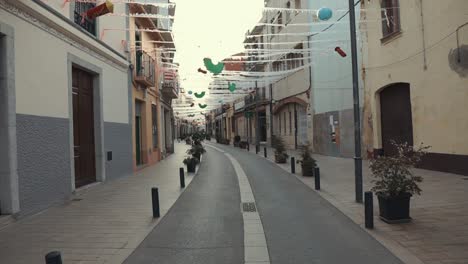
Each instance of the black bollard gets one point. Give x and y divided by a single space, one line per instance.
182 178
265 152
369 210
155 200
317 178
293 165
248 147
53 257
257 149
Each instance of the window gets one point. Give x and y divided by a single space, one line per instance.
154 119
88 24
390 17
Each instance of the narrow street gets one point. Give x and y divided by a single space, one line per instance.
205 224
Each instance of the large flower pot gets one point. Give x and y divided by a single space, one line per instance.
395 209
280 158
191 166
307 169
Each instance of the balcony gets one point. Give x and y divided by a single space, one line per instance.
253 98
170 89
144 73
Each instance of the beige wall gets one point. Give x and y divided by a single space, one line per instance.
439 95
48 57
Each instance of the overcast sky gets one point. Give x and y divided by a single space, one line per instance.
210 28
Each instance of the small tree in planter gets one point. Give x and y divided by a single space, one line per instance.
395 183
191 163
280 150
197 150
307 162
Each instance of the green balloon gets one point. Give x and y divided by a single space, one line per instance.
200 95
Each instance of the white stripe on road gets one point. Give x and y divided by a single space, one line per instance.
255 246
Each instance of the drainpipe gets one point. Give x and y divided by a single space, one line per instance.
423 35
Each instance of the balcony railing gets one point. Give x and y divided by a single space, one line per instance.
252 99
144 69
170 89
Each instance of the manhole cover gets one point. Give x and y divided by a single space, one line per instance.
249 207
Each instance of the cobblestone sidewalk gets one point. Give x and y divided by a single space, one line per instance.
102 224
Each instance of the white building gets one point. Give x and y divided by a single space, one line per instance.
65 102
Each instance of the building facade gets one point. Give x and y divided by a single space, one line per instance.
331 80
65 102
416 79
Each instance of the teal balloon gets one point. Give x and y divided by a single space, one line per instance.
324 13
190 92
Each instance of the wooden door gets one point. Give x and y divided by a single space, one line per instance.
83 128
397 122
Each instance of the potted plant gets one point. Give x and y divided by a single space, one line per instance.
395 183
237 140
280 150
188 141
307 162
191 163
197 150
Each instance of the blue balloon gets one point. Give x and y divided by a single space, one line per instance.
324 13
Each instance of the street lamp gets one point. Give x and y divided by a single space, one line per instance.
357 117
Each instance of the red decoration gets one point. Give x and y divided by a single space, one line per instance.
99 10
340 51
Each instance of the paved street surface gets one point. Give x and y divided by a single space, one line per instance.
103 224
204 226
438 233
300 226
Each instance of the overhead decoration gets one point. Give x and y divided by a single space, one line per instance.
190 92
213 68
202 106
232 87
200 95
220 101
202 71
100 10
340 51
324 13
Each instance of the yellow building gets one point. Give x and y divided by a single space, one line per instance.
415 74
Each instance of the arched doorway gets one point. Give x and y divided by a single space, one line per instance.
396 116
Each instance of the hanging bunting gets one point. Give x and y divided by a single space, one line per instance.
202 71
202 106
200 95
100 10
192 104
213 68
232 87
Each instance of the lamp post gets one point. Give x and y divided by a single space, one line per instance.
357 117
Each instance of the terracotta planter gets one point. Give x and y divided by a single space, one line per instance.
395 209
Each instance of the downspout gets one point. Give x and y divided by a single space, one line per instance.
423 35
